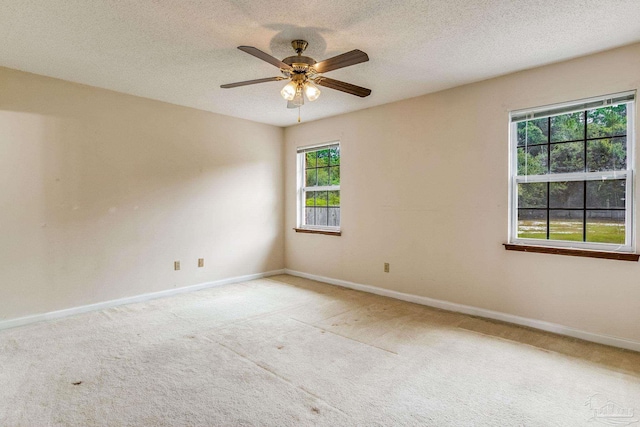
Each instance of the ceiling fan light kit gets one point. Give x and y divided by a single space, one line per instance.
303 71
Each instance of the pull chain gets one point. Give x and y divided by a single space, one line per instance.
298 114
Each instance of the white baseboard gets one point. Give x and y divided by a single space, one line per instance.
476 311
21 321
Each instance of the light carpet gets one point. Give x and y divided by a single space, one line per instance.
287 351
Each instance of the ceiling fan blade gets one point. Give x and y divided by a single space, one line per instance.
265 57
343 87
345 60
252 82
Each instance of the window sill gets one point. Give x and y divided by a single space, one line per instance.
622 256
314 231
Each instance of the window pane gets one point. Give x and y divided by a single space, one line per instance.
607 121
533 132
334 156
568 157
334 175
532 195
311 177
310 198
323 176
567 127
607 154
323 158
532 160
566 194
322 217
606 194
310 216
310 159
321 198
566 225
334 217
532 224
605 227
334 198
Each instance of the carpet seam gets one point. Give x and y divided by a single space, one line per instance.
281 378
344 336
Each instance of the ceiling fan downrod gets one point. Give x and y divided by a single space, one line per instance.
299 46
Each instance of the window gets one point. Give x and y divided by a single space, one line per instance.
319 187
572 174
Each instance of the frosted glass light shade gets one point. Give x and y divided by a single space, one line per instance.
289 91
298 99
311 91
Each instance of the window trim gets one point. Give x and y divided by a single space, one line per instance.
621 256
301 188
628 174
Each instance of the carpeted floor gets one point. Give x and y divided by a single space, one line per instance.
287 351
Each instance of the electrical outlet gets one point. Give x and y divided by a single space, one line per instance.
200 262
176 265
386 267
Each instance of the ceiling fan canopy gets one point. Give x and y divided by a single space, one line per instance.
304 73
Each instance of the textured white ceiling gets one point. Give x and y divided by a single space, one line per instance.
181 51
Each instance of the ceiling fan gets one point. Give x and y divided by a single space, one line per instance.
304 73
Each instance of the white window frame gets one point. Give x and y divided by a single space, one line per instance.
628 174
301 188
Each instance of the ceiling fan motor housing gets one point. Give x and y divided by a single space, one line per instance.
299 63
299 59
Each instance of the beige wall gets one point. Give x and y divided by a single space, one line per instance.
425 188
100 192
